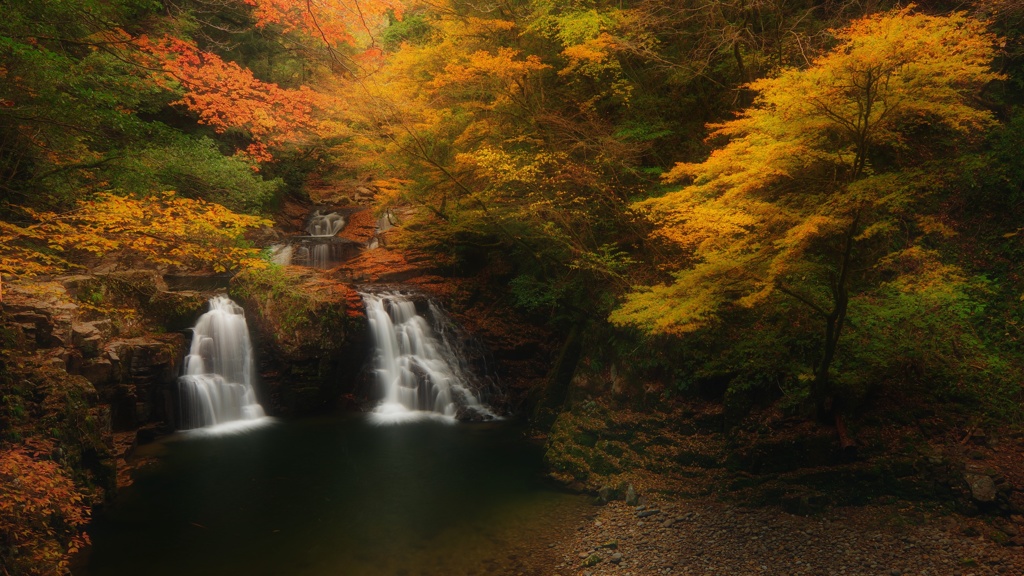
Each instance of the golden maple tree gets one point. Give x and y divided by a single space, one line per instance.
783 206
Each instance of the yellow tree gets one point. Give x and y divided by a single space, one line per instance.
165 229
816 174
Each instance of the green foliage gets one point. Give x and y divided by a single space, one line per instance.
532 295
412 28
195 168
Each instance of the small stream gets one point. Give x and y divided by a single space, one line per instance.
337 496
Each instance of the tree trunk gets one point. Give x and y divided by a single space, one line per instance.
821 388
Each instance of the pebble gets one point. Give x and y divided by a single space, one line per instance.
713 538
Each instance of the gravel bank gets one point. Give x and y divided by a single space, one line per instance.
710 538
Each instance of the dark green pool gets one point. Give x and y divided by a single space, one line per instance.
337 496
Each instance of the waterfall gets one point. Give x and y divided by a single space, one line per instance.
321 225
281 254
325 224
216 385
417 368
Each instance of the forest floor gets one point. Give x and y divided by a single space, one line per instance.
705 537
770 500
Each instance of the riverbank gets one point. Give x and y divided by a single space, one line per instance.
703 537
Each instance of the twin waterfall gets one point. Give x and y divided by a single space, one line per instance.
418 364
417 368
217 385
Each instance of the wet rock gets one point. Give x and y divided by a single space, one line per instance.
40 312
144 369
467 414
88 336
310 332
197 282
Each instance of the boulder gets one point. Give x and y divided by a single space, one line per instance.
98 371
310 332
176 311
631 498
142 369
983 487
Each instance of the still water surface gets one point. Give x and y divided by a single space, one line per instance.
339 497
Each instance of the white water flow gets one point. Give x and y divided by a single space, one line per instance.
417 371
216 387
281 254
323 225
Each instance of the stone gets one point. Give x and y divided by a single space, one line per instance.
310 337
592 560
98 371
176 311
605 494
983 488
631 497
616 558
87 337
979 438
646 513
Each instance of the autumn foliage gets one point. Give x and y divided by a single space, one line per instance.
823 185
796 172
42 514
165 230
228 97
333 21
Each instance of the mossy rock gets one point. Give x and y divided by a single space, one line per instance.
175 311
301 311
311 334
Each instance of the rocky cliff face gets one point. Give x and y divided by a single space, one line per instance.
310 335
87 357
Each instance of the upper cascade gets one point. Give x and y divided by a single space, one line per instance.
320 247
418 368
325 224
217 382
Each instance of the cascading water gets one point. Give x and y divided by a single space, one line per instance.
323 226
417 369
216 387
321 247
281 254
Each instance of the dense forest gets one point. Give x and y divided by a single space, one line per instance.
804 208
